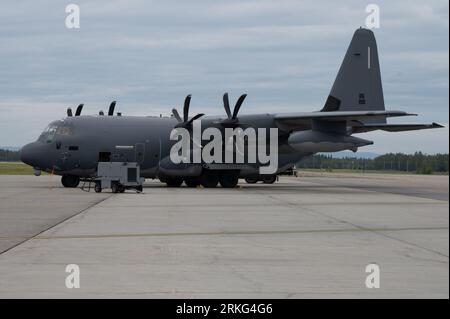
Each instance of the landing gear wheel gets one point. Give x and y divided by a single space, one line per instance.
209 179
270 179
174 182
98 188
70 181
139 189
192 181
114 187
251 180
162 179
229 179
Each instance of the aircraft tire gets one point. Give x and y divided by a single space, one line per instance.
270 179
174 182
70 181
229 179
192 181
251 180
209 179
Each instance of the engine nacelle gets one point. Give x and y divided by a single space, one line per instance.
168 168
315 141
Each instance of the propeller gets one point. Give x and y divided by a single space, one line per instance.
111 108
185 122
232 117
79 109
69 112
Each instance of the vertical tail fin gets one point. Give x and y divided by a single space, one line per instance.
358 84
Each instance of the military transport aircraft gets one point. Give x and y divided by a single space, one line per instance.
74 146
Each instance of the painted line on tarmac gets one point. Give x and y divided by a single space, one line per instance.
221 233
24 239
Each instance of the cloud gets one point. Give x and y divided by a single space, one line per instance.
149 54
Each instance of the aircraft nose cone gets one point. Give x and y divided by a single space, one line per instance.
27 154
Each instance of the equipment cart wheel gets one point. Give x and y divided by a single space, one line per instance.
98 187
115 187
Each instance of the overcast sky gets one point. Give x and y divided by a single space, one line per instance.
148 55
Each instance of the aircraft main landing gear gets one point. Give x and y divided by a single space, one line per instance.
192 181
209 179
269 179
251 180
174 181
229 179
266 179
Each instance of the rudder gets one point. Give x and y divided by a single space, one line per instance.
358 84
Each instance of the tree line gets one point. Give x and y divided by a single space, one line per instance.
9 156
414 163
418 162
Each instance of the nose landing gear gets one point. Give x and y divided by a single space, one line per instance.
70 181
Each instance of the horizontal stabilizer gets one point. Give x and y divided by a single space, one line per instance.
295 121
394 127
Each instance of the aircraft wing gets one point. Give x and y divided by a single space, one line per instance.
394 127
303 120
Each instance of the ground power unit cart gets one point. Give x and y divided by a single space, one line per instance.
118 176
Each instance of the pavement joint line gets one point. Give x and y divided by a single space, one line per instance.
371 189
25 239
220 233
345 222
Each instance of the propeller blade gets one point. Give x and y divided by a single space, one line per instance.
187 102
69 112
79 109
238 105
188 123
226 105
111 108
177 115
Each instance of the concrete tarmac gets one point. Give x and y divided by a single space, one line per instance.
307 237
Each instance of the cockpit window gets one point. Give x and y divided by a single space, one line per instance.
54 129
64 130
48 134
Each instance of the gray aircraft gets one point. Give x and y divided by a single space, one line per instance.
74 146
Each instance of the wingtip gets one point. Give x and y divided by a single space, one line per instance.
437 125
